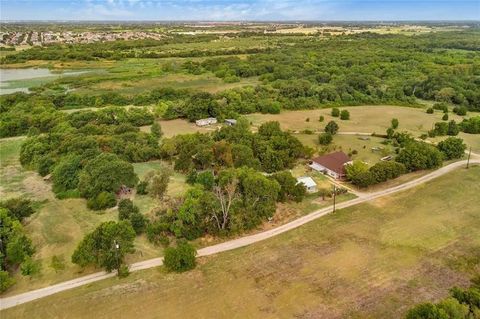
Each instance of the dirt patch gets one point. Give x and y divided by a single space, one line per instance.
37 187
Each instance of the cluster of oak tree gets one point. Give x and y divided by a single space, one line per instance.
16 249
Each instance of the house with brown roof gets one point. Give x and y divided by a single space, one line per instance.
332 164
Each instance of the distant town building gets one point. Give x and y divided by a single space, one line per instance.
207 121
332 164
230 122
309 183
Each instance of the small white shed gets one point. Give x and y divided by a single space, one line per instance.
207 121
309 183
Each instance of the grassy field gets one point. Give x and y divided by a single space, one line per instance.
366 119
59 225
373 260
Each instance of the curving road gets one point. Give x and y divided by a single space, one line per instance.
229 245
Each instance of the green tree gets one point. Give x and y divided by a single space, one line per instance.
158 182
344 115
126 209
325 138
106 246
445 117
335 112
30 267
156 130
6 281
419 155
430 110
206 179
331 128
289 188
102 201
453 129
355 168
106 173
390 132
65 174
180 258
395 123
426 311
383 171
18 208
452 148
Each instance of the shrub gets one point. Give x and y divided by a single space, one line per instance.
180 258
142 188
395 123
325 138
354 169
331 127
5 280
102 201
460 110
440 106
344 115
364 179
206 179
430 110
321 118
123 271
335 112
452 148
383 171
471 126
30 267
19 208
445 117
452 129
57 263
157 233
126 209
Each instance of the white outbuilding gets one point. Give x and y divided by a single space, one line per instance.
308 182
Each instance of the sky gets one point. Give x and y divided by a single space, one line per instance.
239 10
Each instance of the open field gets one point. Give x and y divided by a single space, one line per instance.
206 82
58 225
369 119
366 119
364 261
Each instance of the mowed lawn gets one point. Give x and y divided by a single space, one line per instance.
373 260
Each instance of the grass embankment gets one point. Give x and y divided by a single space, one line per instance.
373 260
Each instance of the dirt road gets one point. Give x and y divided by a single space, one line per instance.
229 245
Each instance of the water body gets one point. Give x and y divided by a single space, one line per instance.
20 80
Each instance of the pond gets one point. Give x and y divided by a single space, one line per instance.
20 80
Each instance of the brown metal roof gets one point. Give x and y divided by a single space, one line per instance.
333 161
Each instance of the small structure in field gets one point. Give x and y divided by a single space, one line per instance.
124 191
230 122
387 158
332 164
207 121
308 182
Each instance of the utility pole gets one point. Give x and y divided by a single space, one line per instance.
468 159
116 246
334 196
